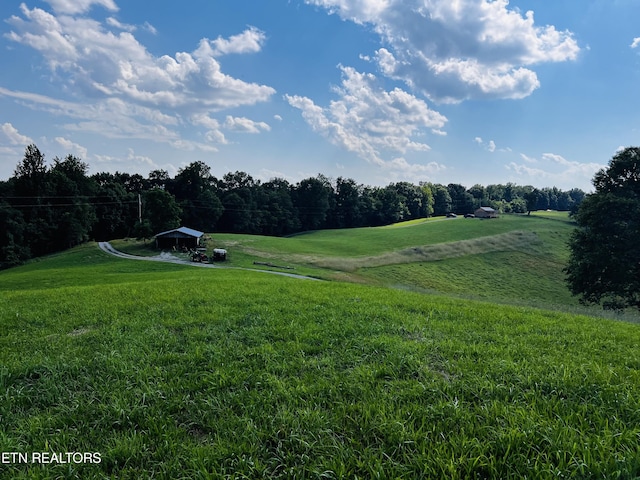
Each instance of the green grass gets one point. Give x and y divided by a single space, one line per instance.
500 277
82 266
171 371
377 240
514 259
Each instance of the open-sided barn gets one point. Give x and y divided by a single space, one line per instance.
179 237
486 212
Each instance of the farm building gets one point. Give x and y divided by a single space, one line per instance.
486 212
179 237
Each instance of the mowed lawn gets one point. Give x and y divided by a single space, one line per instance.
515 259
179 372
356 242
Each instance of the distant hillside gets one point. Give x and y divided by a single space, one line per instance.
50 208
514 259
169 371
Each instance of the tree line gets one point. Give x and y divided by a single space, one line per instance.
48 208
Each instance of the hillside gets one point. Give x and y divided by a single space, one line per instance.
169 371
515 259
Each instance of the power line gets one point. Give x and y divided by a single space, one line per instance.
77 204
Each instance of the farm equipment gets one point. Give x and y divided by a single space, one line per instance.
219 254
198 255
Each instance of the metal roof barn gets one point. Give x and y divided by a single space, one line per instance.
486 212
179 237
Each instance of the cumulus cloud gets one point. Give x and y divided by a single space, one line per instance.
267 175
103 63
367 120
13 136
635 43
490 145
132 162
125 91
246 125
456 50
114 118
399 169
249 41
214 133
71 147
555 169
80 6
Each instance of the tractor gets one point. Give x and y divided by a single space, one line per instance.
199 255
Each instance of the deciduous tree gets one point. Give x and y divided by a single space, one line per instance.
604 265
161 210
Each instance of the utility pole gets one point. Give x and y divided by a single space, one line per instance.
139 209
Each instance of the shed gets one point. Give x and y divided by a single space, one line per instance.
486 212
179 237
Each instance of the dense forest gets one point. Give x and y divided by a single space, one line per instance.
45 209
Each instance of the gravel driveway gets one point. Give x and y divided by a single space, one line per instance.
169 258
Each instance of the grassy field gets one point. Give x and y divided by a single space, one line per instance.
515 259
170 371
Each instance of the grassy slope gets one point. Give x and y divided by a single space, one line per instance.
178 372
376 240
515 259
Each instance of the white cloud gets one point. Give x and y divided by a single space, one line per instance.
114 118
14 137
113 22
456 50
249 41
213 134
72 148
241 124
635 43
190 146
150 28
126 92
80 6
266 175
525 171
367 120
399 169
559 159
132 162
85 54
555 169
139 159
490 145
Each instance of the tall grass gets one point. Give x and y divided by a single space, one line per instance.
175 372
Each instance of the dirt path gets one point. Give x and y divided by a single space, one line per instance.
169 258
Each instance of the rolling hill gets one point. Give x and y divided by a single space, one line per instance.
515 259
168 371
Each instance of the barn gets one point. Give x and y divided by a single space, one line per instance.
486 212
179 237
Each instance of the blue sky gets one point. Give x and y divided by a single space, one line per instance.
533 92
